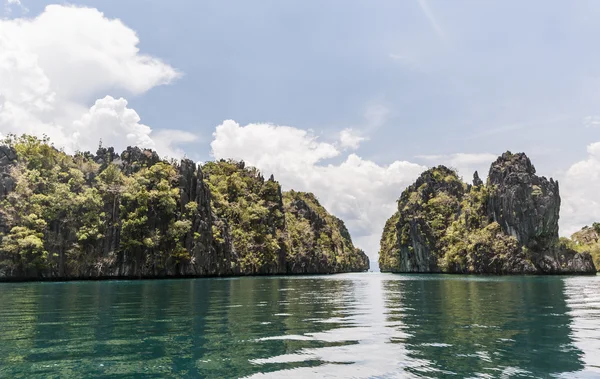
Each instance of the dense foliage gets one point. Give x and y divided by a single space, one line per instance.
587 240
316 238
441 218
253 210
505 226
133 214
57 218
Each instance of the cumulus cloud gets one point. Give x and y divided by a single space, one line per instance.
465 163
54 65
350 139
580 190
375 115
110 120
87 53
359 191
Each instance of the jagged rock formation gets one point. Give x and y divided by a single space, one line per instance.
134 215
588 240
507 226
250 209
524 204
588 235
319 241
425 210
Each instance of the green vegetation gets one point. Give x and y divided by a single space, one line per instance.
253 209
441 217
586 240
318 239
389 242
105 214
509 225
57 217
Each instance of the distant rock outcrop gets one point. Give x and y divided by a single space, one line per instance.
507 226
588 240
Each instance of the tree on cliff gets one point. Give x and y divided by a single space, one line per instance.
133 214
587 240
508 225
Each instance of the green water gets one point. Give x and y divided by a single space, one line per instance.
342 326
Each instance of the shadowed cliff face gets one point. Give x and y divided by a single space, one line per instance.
509 225
412 237
588 240
134 215
525 205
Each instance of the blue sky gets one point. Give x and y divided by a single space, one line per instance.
414 83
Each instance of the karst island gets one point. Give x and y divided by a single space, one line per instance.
507 225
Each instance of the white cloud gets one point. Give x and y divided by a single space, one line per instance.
375 116
350 139
167 142
266 145
580 190
466 164
111 121
52 65
359 191
85 53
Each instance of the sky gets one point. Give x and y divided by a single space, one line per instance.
349 99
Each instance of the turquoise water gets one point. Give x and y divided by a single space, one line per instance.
342 326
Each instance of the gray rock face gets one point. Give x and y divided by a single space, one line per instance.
209 257
477 182
199 241
418 256
561 260
417 237
315 254
208 245
525 205
507 226
8 158
134 158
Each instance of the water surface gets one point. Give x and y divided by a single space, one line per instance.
342 326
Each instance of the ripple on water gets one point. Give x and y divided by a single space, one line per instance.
355 325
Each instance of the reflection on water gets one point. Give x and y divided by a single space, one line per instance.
485 326
356 325
583 300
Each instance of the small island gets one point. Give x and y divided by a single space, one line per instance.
508 225
135 215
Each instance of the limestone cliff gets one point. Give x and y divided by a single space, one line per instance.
134 215
524 204
588 240
318 241
508 225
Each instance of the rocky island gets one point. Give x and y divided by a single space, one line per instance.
587 240
508 225
134 215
